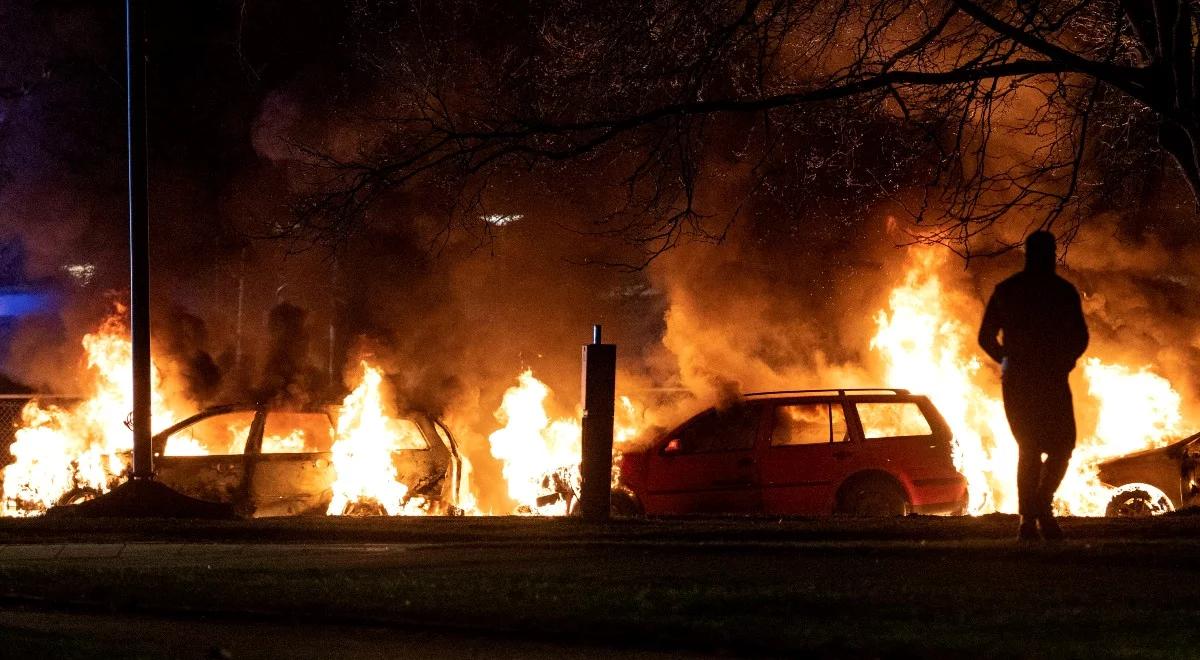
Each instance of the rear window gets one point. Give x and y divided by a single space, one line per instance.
297 433
720 430
808 424
892 419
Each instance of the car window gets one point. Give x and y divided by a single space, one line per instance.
398 433
892 419
297 433
407 435
720 430
808 424
220 434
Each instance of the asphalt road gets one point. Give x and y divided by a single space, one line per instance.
32 633
920 587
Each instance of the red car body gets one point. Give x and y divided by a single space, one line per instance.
812 452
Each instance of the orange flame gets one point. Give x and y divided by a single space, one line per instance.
533 448
367 434
57 450
927 347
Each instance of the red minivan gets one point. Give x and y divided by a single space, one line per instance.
876 452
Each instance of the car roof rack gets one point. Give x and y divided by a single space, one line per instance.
839 391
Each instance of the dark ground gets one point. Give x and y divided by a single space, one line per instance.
495 587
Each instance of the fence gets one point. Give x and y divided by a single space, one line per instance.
10 418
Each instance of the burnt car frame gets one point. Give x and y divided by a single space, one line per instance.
1154 481
266 481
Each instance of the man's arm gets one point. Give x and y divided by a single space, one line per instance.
990 328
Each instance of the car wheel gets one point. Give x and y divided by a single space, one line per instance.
873 498
624 503
363 509
1138 502
78 496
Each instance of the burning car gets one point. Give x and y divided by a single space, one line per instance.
1154 481
805 452
272 462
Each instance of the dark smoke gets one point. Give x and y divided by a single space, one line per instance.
288 376
182 338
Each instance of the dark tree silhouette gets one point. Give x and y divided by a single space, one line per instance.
1011 108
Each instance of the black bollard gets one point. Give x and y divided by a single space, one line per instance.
599 395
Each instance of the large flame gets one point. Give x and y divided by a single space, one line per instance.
926 338
367 434
57 450
927 348
1135 409
539 453
530 444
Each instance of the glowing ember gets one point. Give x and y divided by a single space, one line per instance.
367 434
89 446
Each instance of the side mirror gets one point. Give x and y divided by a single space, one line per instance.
672 447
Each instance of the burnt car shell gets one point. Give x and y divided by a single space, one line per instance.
286 483
1171 469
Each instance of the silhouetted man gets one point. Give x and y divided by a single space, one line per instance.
1038 316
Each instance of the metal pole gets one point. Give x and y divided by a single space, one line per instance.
333 319
241 296
599 398
139 235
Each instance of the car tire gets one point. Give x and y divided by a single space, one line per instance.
873 498
1137 503
78 495
624 504
363 509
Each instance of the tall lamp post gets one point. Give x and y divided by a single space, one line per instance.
139 235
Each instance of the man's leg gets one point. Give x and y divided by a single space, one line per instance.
1022 415
1029 479
1052 473
1057 441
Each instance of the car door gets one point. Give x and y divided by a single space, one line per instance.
806 454
204 457
707 465
899 437
292 469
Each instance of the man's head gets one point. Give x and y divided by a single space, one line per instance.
1039 252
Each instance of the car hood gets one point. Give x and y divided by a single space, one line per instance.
1172 449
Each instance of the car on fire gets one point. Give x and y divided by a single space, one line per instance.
278 462
1154 481
868 452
